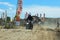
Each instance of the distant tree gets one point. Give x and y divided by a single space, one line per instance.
8 19
14 18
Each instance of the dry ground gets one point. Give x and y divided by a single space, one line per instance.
38 33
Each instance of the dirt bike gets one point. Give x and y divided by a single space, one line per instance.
29 25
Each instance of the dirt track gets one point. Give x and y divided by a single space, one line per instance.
37 33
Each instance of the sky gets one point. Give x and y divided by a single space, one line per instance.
50 7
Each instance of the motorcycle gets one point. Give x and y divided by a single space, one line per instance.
29 25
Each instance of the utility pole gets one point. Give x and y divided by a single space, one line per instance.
5 18
37 14
44 17
5 15
26 15
40 16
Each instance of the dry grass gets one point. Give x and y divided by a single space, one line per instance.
38 33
